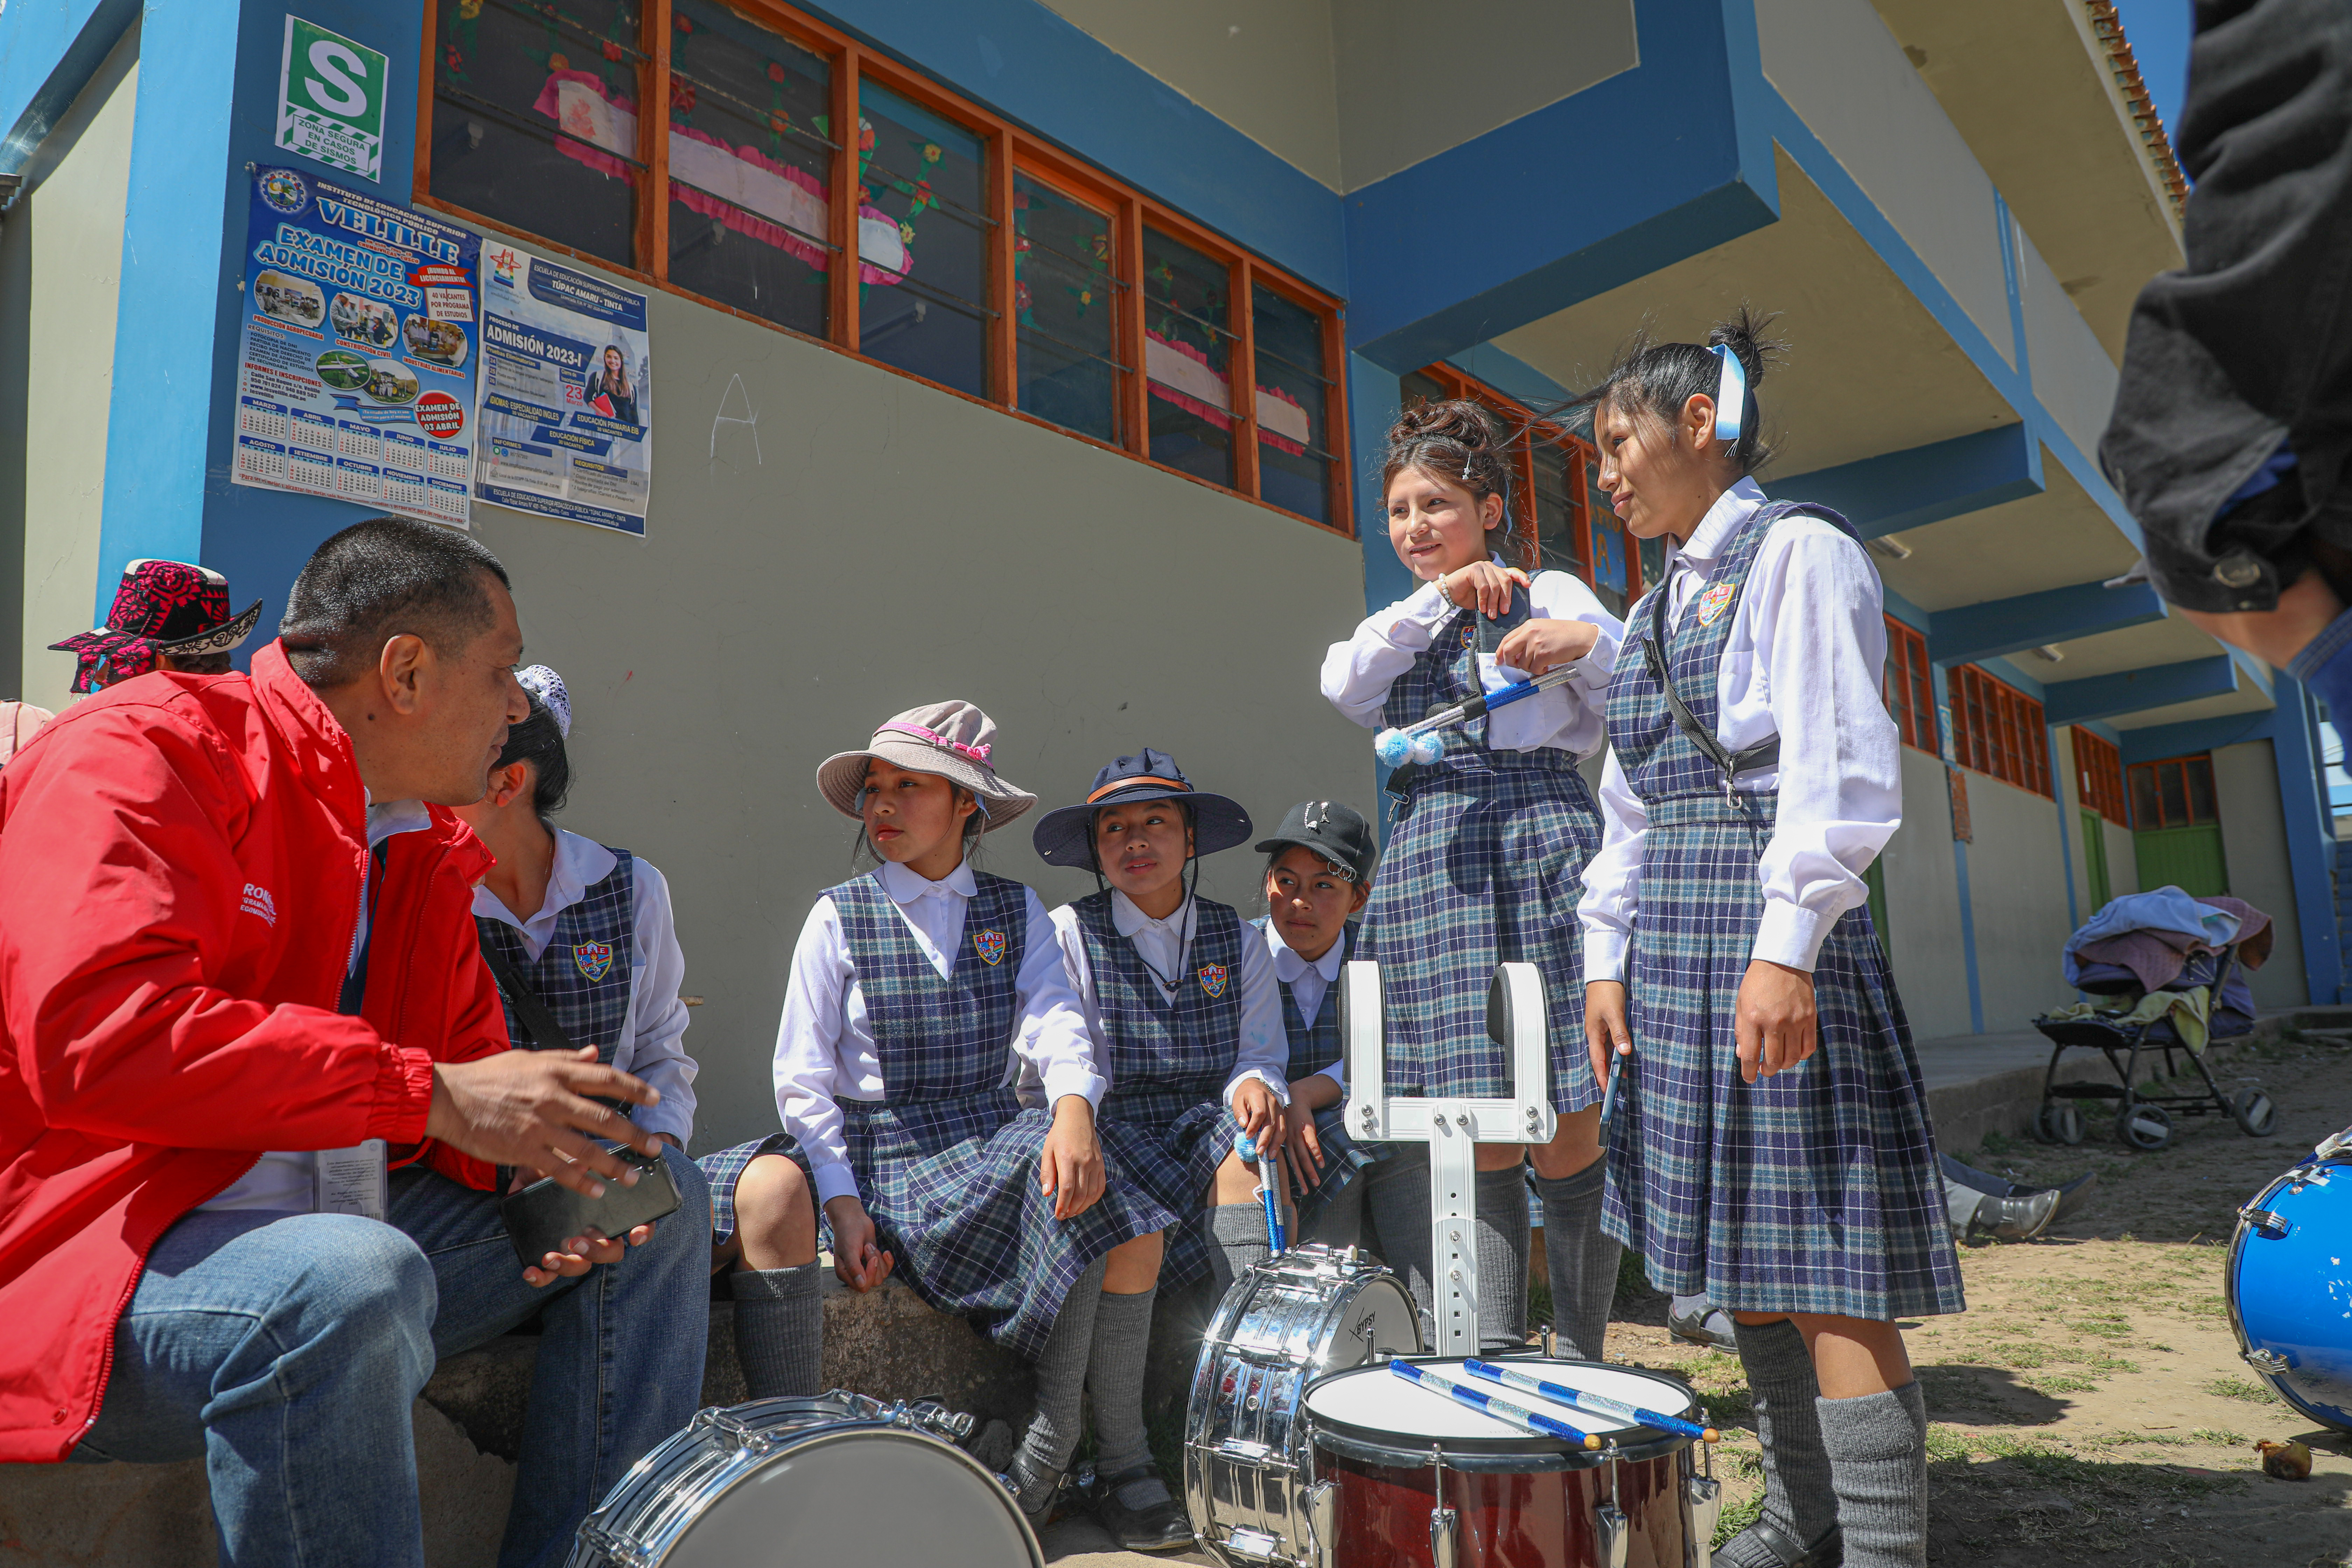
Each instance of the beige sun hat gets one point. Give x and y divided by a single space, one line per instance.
950 739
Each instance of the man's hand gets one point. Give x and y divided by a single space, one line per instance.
860 1264
582 1253
1258 1110
1070 1167
1536 646
1605 1027
530 1108
1776 1024
2305 607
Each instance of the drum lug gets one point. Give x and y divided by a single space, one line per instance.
2264 1220
618 1551
2268 1362
736 1433
1441 1521
1614 1536
1323 1521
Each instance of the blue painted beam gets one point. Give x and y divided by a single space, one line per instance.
1972 632
1690 167
1921 485
2137 690
51 51
2158 741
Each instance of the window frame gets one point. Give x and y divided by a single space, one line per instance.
2188 796
1908 666
1998 730
1519 417
1008 149
2099 777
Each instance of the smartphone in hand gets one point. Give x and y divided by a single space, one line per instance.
545 1215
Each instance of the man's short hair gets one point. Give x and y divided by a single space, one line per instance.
381 578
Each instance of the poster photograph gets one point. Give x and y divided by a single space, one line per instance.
356 364
566 389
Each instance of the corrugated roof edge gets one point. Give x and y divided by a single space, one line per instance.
2107 26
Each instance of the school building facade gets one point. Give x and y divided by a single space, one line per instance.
1009 464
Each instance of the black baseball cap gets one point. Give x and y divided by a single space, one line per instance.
1333 829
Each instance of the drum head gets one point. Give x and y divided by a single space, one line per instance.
1374 1405
860 1495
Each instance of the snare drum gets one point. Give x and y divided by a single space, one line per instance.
1247 1459
2289 1286
836 1479
1418 1480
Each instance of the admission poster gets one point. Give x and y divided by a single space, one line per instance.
566 415
355 372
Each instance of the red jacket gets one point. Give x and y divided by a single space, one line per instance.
179 873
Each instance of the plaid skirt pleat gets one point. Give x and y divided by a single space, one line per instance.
1483 868
1815 1190
953 1190
1167 1142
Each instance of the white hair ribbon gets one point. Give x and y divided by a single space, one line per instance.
548 687
1730 396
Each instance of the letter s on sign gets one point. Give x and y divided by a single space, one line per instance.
336 92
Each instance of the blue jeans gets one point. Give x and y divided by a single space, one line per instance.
286 1351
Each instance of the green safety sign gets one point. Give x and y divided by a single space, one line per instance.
331 94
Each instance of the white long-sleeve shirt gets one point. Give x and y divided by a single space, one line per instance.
1166 945
1802 660
651 1038
1358 673
824 1047
1309 979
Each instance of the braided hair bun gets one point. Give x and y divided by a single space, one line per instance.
1456 441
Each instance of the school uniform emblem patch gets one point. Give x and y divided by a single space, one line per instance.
594 959
1212 979
1469 635
990 945
1712 603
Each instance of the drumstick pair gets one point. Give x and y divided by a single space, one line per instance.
1599 1404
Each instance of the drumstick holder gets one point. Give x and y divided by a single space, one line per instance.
1451 1127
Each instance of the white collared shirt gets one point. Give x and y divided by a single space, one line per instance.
1358 673
286 1181
1263 1050
1310 979
651 1043
1802 660
824 1047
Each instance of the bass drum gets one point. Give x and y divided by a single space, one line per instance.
799 1481
2289 1284
1420 1481
1248 1460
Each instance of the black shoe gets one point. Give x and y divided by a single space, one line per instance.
1762 1545
1051 1496
2074 1194
1703 1324
1158 1525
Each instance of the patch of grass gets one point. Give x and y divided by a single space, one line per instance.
2104 1326
2109 1365
1724 1406
2060 1383
1950 1443
2244 1388
2205 1307
2220 1437
2020 1357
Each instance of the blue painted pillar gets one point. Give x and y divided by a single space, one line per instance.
2310 841
1941 675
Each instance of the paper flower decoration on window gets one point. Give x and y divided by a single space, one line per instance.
559 63
612 50
776 71
686 25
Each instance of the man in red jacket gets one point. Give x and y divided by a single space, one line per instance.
237 964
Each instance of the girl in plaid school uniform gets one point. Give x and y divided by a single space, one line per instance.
919 991
1483 862
1771 1146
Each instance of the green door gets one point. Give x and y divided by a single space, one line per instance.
2186 857
2094 862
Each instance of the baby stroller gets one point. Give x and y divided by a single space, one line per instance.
2123 1032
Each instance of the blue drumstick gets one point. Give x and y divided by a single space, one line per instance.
1501 1409
1600 1403
1268 1191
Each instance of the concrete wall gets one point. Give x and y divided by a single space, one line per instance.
1922 904
2123 861
1844 74
869 545
61 262
2253 838
2018 903
2073 375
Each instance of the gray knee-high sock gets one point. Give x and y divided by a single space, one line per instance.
779 1330
1798 1499
1877 1448
1582 1262
1236 1240
1053 1435
1502 1241
1114 1374
1396 1191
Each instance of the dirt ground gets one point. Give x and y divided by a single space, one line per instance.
2090 1408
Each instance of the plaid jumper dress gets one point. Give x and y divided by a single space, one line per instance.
1484 865
1814 1190
947 1159
1315 1044
585 972
1164 1124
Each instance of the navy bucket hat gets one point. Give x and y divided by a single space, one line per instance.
1066 836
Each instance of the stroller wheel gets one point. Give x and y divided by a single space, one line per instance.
2255 1115
2058 1122
2145 1127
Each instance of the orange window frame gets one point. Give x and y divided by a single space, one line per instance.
1008 149
1909 686
2099 770
1526 426
1998 730
2155 772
